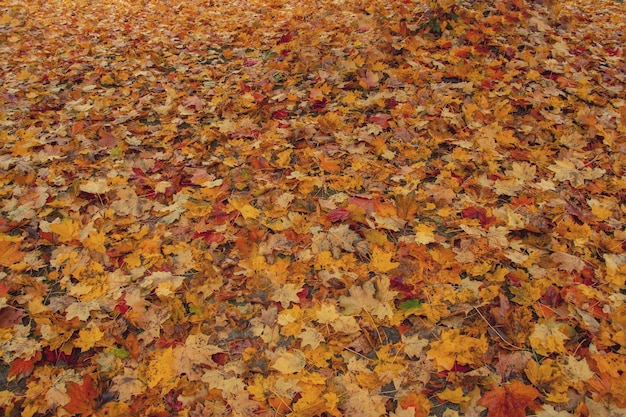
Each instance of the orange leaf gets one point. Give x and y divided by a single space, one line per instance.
10 253
329 165
419 402
132 345
21 368
510 401
82 397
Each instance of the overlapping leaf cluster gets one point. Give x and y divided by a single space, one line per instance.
312 208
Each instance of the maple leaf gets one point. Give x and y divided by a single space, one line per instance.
567 170
453 347
311 337
374 299
381 261
547 337
328 315
88 338
161 368
246 210
10 252
98 186
567 262
414 345
290 362
21 368
549 377
196 353
424 234
511 400
286 294
370 80
338 238
67 229
456 396
127 384
362 403
83 397
82 310
417 402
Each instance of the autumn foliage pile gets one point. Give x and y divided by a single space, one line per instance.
312 208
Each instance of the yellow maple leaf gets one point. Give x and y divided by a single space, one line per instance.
424 234
602 210
87 338
10 253
455 347
196 352
127 384
95 241
527 293
547 338
350 97
67 230
312 402
246 210
381 261
160 369
615 268
414 345
116 409
455 396
549 376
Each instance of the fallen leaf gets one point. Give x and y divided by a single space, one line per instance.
510 400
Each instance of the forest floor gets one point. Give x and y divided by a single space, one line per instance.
312 208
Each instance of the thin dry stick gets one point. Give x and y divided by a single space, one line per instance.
497 331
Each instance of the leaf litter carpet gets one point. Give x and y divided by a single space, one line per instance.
312 208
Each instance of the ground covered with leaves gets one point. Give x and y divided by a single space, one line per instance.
312 208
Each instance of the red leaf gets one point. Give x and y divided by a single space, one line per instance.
280 114
287 37
220 358
49 236
21 368
10 316
121 307
380 119
512 400
172 400
338 215
478 213
209 236
4 289
364 203
56 356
